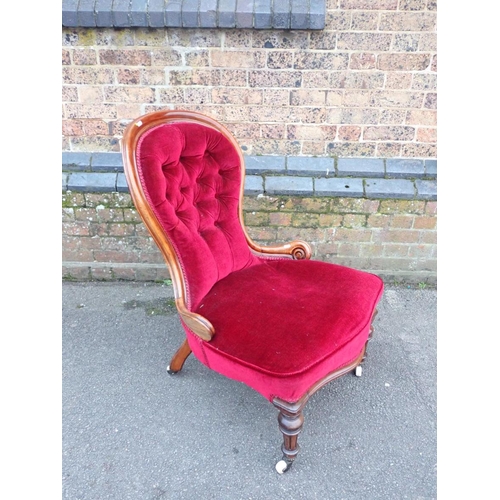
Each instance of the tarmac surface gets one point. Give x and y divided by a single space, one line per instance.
131 431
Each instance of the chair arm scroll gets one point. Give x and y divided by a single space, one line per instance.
199 325
297 249
300 250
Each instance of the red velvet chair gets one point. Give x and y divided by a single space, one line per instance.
269 317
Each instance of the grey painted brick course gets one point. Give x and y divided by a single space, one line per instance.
361 167
281 14
86 15
104 17
208 13
339 186
156 13
430 168
106 161
173 14
263 18
138 13
263 164
300 14
288 185
426 190
254 184
257 14
317 15
94 172
390 188
92 182
70 12
190 13
308 165
244 14
76 161
227 13
121 184
404 168
120 13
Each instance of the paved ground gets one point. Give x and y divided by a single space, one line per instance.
131 431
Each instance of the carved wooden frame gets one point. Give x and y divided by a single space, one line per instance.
290 416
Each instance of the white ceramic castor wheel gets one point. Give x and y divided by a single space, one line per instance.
281 467
359 371
169 371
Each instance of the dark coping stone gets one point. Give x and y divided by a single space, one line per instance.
390 188
288 185
339 186
254 184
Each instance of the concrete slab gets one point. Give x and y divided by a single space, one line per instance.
132 431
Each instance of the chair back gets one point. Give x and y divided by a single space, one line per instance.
186 173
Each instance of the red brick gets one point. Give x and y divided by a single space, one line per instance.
345 234
363 60
72 127
369 4
349 249
402 221
330 220
125 57
129 76
424 223
256 218
85 57
324 249
392 250
305 220
66 59
431 207
427 135
354 221
75 229
429 237
371 250
378 220
349 133
402 206
122 229
262 233
80 273
396 236
422 251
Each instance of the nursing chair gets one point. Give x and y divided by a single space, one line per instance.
269 317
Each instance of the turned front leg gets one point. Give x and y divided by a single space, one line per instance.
290 426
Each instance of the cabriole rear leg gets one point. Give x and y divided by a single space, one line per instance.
179 358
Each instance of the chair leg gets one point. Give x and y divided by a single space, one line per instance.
179 358
359 369
290 424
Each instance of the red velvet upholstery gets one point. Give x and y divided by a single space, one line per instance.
280 324
191 175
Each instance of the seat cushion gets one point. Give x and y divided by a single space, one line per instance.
287 323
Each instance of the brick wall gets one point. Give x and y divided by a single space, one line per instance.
364 87
103 237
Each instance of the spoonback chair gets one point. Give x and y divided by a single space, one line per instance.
269 317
